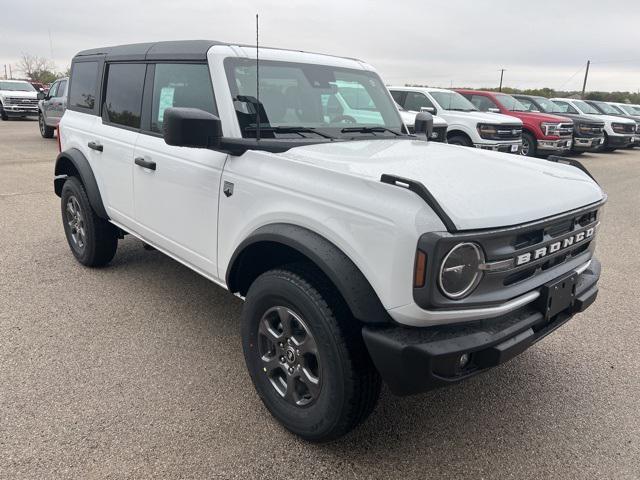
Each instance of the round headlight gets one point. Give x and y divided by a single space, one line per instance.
460 270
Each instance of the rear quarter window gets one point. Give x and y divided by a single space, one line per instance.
84 79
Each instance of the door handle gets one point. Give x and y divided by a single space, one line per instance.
95 146
145 163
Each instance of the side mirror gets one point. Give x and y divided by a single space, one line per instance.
493 110
424 124
431 110
191 127
41 96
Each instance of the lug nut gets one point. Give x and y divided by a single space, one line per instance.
281 345
290 369
281 359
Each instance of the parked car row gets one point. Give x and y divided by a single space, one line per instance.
525 124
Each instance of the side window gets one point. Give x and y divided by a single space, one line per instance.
481 102
529 105
398 96
123 96
416 100
53 91
84 77
62 88
180 85
565 107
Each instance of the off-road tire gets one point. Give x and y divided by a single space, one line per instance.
3 114
99 238
349 383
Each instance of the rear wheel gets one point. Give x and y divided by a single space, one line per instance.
458 139
93 240
529 145
45 130
306 356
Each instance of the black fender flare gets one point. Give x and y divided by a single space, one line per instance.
73 161
361 298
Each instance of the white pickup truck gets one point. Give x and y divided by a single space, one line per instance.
362 253
18 98
467 126
619 132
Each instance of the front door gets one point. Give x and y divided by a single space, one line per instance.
177 189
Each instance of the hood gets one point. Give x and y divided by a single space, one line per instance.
477 189
484 117
582 118
541 117
17 94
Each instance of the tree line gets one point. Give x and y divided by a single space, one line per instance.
39 69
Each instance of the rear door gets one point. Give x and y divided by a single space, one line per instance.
176 201
115 136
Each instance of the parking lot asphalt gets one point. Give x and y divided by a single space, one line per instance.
136 370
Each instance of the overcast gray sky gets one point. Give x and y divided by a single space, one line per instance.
441 43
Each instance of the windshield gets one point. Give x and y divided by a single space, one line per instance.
586 108
547 105
309 100
453 101
631 109
510 103
608 109
17 86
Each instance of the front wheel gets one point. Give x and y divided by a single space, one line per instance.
306 356
528 145
459 140
3 114
45 130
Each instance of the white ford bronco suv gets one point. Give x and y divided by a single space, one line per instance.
467 125
363 253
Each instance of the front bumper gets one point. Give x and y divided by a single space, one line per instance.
620 140
20 110
561 145
413 360
584 144
511 147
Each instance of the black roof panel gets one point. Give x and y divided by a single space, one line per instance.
173 50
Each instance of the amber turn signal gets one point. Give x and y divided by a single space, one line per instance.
420 269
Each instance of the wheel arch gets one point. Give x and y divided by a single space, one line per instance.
275 245
72 163
458 131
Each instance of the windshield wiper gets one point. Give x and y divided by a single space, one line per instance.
369 130
291 129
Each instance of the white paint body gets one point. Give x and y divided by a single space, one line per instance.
607 119
333 189
465 122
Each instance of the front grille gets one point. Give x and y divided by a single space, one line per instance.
564 239
591 129
21 101
566 129
509 132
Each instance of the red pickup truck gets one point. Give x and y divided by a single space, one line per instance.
542 134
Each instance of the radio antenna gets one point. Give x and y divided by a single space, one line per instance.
257 81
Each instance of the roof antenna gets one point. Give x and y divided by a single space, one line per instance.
257 83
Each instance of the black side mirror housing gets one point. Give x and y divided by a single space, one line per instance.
41 96
424 124
191 127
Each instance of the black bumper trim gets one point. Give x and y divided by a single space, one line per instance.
413 360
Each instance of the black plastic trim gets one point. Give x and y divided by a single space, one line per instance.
419 189
573 163
356 290
81 164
